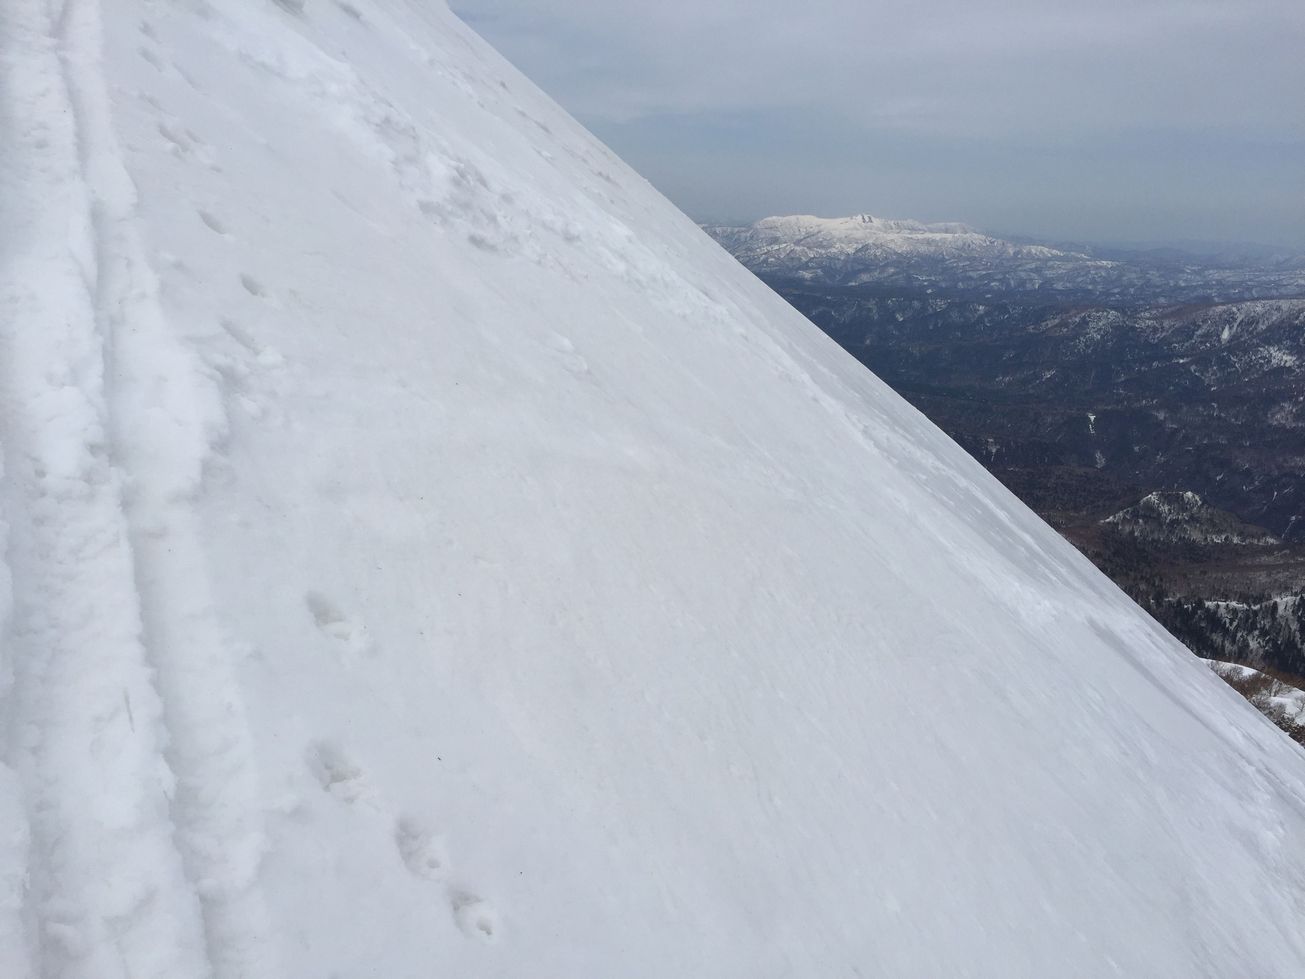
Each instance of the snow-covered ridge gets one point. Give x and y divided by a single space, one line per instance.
427 553
802 238
906 255
1185 516
858 225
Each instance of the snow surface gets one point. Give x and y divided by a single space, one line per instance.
427 553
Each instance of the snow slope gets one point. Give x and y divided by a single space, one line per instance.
427 553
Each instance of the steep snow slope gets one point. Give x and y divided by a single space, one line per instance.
429 554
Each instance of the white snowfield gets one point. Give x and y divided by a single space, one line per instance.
428 554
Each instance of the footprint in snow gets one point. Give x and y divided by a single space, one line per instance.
212 223
185 144
350 632
350 9
421 850
252 285
180 144
337 773
264 356
571 360
239 334
476 917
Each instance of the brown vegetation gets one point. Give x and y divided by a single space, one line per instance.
1262 689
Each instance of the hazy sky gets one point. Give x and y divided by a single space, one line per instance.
1090 119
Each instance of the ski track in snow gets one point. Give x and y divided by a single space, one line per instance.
124 724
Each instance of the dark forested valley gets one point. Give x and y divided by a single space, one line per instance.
1166 439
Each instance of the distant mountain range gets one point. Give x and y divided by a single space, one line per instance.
955 259
1142 403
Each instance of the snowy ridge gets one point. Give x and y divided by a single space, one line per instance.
428 553
864 227
811 246
950 258
1185 516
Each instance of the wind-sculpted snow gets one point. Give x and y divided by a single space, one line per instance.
427 553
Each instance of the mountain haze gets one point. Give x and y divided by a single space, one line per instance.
428 553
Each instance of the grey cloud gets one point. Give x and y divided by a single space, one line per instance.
1008 92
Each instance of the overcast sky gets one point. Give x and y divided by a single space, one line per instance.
1076 119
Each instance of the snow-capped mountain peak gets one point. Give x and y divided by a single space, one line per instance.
906 255
864 248
857 225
